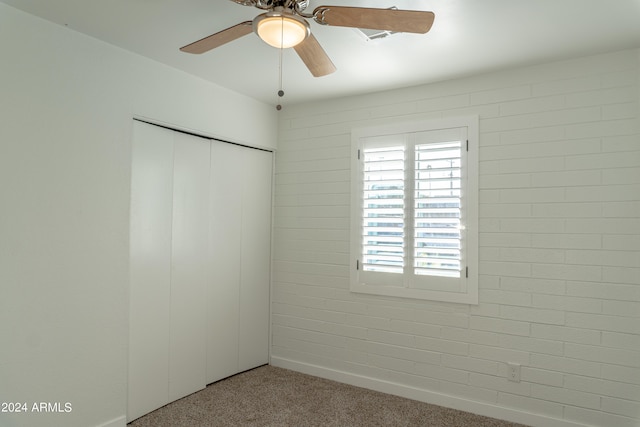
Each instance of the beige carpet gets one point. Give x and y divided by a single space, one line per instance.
270 396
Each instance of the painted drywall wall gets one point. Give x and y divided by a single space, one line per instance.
66 108
559 249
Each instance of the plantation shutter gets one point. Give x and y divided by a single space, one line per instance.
437 204
414 210
383 209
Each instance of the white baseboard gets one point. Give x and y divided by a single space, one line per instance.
480 408
116 422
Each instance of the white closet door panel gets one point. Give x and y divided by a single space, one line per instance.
150 254
224 290
255 259
189 271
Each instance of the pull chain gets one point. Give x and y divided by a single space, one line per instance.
280 90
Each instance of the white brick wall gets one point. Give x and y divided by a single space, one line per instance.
559 248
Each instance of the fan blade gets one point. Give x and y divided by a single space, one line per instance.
314 57
219 38
403 21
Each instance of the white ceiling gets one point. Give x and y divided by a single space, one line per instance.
468 37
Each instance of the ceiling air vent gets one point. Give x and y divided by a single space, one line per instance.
376 34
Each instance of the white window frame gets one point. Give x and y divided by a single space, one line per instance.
458 290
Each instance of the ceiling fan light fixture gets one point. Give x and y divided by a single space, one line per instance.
281 29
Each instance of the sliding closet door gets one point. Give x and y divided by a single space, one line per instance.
225 245
200 257
240 239
168 267
189 271
150 268
255 259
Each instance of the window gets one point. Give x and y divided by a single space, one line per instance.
414 210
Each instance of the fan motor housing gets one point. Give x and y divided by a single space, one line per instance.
299 5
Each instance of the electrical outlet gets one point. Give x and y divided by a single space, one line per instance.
513 372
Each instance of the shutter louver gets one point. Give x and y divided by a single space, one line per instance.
437 209
383 210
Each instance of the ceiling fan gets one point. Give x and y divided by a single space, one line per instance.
284 25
